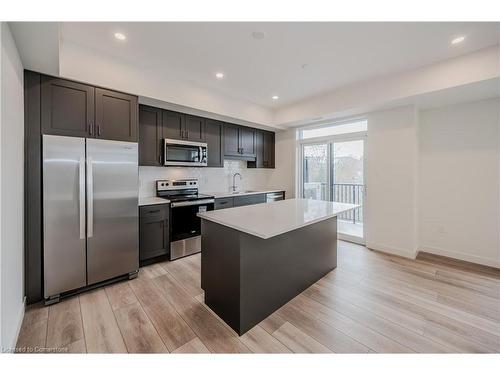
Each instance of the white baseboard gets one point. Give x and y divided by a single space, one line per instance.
461 256
392 250
19 324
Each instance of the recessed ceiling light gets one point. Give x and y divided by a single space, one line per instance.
458 39
120 36
275 97
258 35
219 75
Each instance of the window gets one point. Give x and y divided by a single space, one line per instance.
334 129
332 169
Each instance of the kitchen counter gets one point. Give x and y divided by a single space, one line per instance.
267 220
257 258
250 192
146 201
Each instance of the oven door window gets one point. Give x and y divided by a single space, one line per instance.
185 223
183 153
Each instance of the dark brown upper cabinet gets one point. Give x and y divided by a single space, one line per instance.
79 110
264 150
213 135
232 140
67 108
194 129
150 136
269 151
223 140
239 142
184 127
115 115
173 125
247 141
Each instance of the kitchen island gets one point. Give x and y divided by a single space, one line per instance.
257 258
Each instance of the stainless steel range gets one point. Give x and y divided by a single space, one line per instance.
185 225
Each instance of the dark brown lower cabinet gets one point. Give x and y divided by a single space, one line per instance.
245 200
221 203
154 240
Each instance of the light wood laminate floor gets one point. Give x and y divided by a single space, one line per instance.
372 302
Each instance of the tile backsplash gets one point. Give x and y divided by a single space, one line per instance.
210 179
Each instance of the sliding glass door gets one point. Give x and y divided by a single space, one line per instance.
315 171
333 170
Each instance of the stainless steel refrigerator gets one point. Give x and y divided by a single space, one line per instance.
90 212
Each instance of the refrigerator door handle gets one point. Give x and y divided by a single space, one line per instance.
81 192
90 199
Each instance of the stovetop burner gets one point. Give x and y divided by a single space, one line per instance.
179 190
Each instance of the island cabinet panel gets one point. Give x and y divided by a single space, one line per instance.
231 140
116 116
221 203
173 125
150 136
213 136
194 129
67 108
246 278
153 231
245 200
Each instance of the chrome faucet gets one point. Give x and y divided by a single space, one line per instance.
234 181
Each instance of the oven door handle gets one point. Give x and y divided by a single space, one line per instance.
192 203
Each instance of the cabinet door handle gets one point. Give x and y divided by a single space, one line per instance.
187 134
153 211
98 130
91 126
159 159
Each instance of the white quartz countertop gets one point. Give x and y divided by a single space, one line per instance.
227 194
146 201
266 220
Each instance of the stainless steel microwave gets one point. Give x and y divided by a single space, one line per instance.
184 153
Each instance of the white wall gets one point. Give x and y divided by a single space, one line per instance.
391 181
459 174
11 196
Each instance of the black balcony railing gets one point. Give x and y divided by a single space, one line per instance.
343 193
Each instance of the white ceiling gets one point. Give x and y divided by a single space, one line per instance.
336 54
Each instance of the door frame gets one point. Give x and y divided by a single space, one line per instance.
329 141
